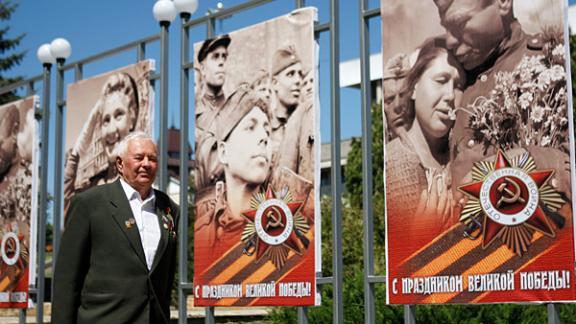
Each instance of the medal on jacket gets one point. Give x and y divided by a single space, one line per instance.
129 223
510 200
168 222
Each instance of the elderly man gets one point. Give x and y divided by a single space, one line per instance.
117 259
394 107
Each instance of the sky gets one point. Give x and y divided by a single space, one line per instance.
92 27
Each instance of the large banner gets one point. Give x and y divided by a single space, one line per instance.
18 192
101 111
479 151
257 165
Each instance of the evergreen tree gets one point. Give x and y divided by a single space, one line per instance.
9 58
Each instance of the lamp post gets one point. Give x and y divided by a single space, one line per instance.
164 12
60 49
186 8
46 58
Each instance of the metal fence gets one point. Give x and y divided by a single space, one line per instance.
210 20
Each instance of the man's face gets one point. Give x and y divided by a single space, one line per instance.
263 91
287 85
246 154
394 104
473 31
138 166
308 86
213 67
116 120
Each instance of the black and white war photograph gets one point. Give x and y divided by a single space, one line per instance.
100 112
256 124
18 162
471 86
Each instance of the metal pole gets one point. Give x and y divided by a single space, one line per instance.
163 138
57 219
22 316
337 265
553 314
184 83
43 195
303 315
367 188
409 314
210 318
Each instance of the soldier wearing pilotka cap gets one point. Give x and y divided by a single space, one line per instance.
244 151
286 79
243 146
212 58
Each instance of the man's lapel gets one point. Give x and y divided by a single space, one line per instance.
164 221
122 214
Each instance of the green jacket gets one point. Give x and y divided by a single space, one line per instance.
101 274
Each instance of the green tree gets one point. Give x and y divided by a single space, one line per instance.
9 57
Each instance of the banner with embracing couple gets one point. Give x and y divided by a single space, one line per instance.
479 151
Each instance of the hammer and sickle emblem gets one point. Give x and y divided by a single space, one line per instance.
513 196
273 220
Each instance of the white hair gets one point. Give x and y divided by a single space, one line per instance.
122 148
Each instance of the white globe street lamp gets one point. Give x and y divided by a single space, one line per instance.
186 6
60 49
45 55
164 11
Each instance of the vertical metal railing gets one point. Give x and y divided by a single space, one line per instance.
163 133
336 168
366 108
43 214
57 219
183 225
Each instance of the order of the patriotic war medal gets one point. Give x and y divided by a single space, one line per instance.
274 227
510 200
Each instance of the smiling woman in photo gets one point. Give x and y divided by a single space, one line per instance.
112 118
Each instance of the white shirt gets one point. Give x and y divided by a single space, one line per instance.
146 219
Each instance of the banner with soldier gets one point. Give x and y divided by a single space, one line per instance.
18 194
100 112
257 171
479 151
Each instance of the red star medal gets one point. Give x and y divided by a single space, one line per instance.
509 195
272 228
